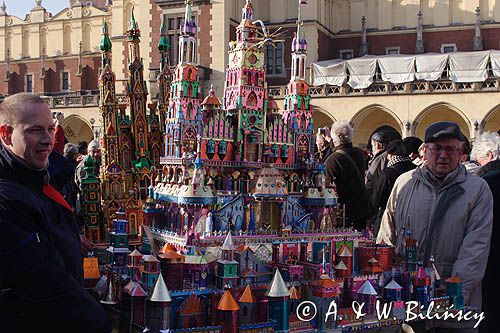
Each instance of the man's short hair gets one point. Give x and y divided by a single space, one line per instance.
488 142
342 132
13 104
70 149
397 147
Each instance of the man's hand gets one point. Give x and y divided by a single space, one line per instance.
59 119
86 245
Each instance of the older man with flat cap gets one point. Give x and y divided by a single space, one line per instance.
450 213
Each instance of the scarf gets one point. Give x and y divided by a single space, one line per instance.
398 159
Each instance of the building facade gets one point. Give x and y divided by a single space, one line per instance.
43 53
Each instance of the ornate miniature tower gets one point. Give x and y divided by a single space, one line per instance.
92 218
111 170
183 121
158 307
137 92
118 250
229 308
245 94
297 114
227 267
279 296
247 306
165 78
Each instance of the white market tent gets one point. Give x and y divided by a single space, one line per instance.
359 73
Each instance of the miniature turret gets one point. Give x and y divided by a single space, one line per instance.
158 307
368 295
227 274
229 308
454 291
248 304
279 297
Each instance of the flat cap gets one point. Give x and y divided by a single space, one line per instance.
443 129
380 137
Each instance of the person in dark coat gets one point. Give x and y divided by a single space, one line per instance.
398 163
345 168
487 152
379 141
41 273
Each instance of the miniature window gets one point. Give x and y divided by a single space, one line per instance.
223 148
284 151
211 147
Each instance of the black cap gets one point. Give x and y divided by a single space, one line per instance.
396 147
443 129
412 144
380 137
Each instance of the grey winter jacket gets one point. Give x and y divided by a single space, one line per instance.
460 240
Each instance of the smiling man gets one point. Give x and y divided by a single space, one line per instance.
41 272
450 213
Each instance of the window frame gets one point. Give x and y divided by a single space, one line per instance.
341 53
68 82
444 46
277 58
388 50
26 83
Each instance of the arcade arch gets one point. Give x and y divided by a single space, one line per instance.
77 129
321 118
366 121
491 122
441 112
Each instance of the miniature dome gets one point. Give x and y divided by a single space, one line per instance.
270 183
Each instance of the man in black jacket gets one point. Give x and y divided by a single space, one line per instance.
398 163
487 152
345 168
41 273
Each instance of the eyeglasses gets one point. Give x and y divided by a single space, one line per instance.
450 150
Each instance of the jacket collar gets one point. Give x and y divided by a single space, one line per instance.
343 146
491 166
455 177
15 169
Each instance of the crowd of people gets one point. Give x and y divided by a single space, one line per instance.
442 191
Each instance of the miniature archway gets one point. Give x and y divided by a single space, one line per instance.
491 122
441 112
77 129
371 118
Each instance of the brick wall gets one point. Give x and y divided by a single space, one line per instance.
52 82
406 41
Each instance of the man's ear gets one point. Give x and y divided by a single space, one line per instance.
6 134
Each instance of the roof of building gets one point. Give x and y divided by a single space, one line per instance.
278 287
393 285
294 293
135 253
345 251
341 266
454 279
227 302
150 258
228 242
134 289
160 292
367 289
247 296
